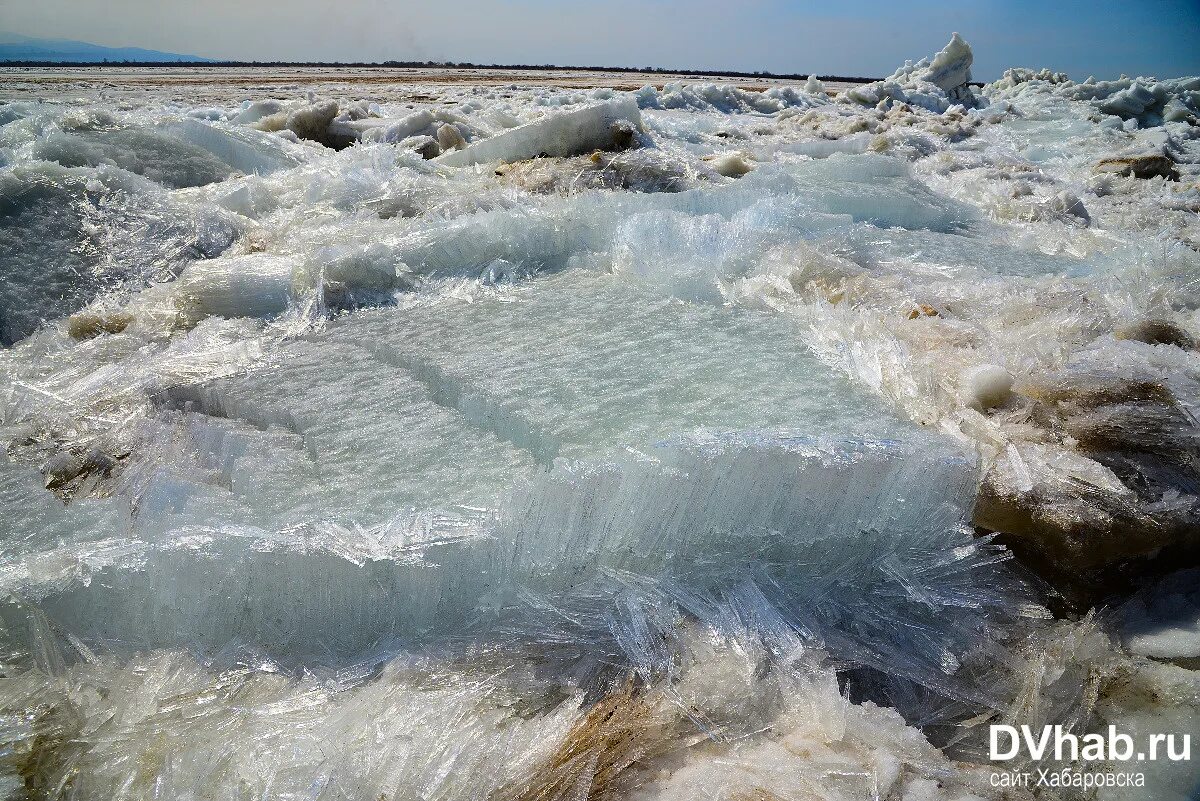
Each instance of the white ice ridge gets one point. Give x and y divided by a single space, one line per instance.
1146 101
565 133
725 98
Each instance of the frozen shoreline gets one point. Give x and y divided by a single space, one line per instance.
382 83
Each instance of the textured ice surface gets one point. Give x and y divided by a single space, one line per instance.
158 157
405 447
70 233
482 727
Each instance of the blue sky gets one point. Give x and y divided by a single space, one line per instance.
1101 37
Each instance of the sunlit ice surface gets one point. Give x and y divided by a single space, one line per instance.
540 439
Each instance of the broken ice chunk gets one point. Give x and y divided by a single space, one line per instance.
951 67
390 131
733 164
603 126
255 285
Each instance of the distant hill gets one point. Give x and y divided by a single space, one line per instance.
15 47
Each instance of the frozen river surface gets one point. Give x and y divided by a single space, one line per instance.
540 436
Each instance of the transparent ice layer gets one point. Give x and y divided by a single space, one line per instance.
546 401
485 388
719 515
153 155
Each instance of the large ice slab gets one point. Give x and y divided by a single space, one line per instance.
486 387
154 155
718 515
565 133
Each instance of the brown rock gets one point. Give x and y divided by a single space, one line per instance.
923 310
91 324
1140 167
1157 332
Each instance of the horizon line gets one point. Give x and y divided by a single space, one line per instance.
464 65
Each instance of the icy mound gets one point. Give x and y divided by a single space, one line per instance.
1149 101
634 170
934 84
148 153
428 132
456 139
244 151
174 151
503 245
364 182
